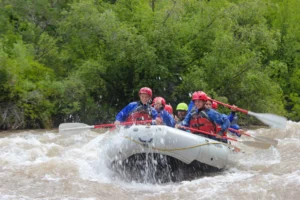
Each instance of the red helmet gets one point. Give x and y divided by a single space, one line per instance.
214 105
169 109
159 99
199 96
145 90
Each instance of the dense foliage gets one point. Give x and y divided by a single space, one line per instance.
83 60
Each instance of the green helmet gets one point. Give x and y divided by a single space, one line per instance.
182 106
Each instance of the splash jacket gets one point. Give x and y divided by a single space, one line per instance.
136 111
232 119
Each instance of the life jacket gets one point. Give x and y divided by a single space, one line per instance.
140 113
202 122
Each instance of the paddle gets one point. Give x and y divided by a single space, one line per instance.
258 138
81 126
255 144
272 120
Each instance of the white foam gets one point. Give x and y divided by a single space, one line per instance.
53 157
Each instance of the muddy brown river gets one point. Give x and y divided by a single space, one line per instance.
43 164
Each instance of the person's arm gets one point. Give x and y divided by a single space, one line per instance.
155 119
236 127
231 116
186 121
225 123
167 118
191 105
220 119
123 114
153 113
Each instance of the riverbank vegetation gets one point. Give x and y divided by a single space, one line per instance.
84 60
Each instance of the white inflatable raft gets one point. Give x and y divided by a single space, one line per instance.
162 153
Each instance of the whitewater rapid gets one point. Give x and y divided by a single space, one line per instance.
43 164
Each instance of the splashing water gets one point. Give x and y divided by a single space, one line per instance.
48 165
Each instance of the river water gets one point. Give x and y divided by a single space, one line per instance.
43 164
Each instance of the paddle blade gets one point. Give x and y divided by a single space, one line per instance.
73 127
260 145
272 120
266 140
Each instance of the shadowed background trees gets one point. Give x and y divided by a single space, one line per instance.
84 60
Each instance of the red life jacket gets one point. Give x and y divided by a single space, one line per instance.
202 122
140 113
